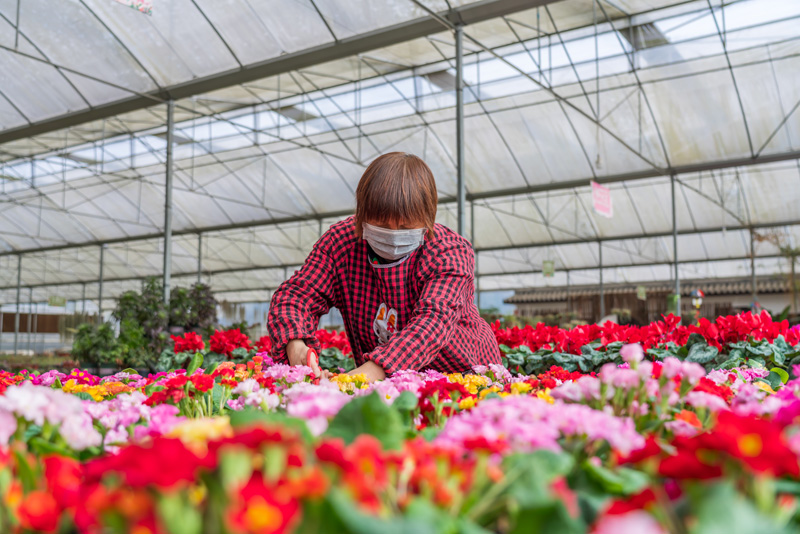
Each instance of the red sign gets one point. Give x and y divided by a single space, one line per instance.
601 200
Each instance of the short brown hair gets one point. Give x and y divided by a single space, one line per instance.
397 187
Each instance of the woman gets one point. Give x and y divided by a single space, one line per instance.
402 282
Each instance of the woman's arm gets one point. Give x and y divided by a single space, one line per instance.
449 276
301 300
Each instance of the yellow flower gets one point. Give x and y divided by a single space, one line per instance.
348 383
196 433
98 392
545 396
493 389
470 382
518 388
466 404
763 386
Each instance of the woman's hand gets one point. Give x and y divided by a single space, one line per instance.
297 353
371 370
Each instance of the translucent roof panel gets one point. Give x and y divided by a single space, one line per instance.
555 97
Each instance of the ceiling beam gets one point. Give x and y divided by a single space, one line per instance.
365 42
650 173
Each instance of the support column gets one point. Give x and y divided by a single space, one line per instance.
168 201
602 292
753 287
30 316
83 299
675 250
199 258
16 315
462 187
100 284
569 308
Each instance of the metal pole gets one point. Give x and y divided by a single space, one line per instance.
1 329
462 188
675 250
168 201
199 258
100 284
30 322
568 302
602 293
753 287
83 299
16 315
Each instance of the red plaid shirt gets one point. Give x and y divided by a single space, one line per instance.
437 323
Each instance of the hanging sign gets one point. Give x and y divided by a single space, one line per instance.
145 6
56 301
548 268
601 200
641 293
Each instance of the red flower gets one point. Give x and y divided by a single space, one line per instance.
629 504
63 479
175 395
136 465
39 512
190 342
264 344
758 443
706 385
202 382
228 341
262 509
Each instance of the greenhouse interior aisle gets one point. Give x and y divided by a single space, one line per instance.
627 173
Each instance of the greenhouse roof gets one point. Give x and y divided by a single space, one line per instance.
279 110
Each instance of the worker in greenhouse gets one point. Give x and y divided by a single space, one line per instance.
402 282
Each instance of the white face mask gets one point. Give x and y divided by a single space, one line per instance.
393 244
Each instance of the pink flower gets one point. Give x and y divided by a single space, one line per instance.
699 399
527 423
635 522
632 353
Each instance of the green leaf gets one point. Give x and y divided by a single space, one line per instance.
430 433
720 509
406 401
781 373
211 368
368 415
254 416
546 519
534 472
195 363
774 380
621 481
701 353
695 339
130 371
41 446
31 432
505 349
25 472
83 395
179 515
421 518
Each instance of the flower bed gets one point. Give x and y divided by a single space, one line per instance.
670 429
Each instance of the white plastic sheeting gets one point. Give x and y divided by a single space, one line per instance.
626 92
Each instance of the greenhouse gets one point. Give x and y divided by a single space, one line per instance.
624 176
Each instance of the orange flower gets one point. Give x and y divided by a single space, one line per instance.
261 509
39 512
689 417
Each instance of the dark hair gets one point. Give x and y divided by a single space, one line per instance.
397 187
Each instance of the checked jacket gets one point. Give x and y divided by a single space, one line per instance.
437 323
